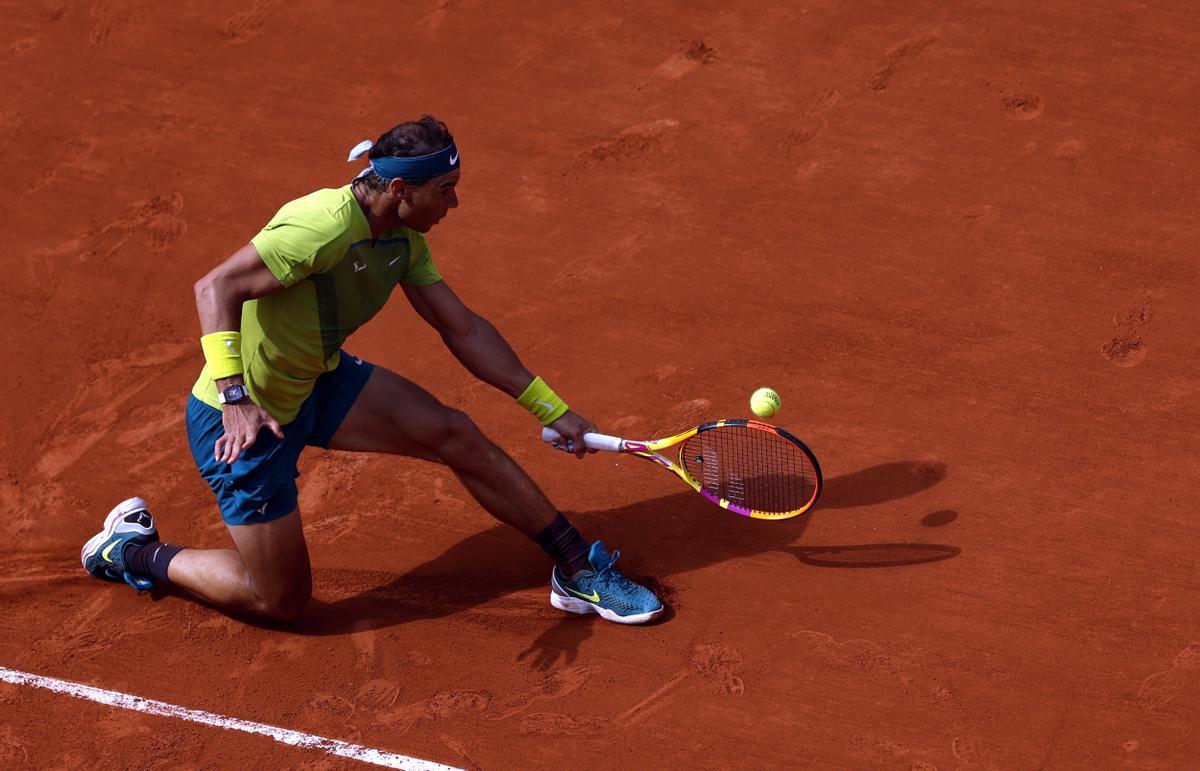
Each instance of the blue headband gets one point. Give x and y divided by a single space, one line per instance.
416 169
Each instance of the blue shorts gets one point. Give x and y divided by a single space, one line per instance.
260 486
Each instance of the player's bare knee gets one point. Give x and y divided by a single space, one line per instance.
282 609
283 606
461 439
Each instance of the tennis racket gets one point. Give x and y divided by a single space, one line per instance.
746 466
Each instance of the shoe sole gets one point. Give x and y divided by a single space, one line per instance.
572 605
113 519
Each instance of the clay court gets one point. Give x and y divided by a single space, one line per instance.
958 238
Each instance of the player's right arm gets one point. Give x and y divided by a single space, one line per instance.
219 297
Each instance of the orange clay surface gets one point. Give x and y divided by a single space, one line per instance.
959 239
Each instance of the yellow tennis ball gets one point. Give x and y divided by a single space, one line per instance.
765 402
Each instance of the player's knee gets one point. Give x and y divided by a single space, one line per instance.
283 606
461 438
282 609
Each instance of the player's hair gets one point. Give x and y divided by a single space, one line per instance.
416 137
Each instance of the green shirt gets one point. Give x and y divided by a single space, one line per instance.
336 277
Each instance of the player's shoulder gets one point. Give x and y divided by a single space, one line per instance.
328 210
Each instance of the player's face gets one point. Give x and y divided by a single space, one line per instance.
424 206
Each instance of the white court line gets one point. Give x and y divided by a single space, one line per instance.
284 735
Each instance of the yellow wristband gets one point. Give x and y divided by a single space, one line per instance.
542 402
223 352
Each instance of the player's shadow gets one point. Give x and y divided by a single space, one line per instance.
664 537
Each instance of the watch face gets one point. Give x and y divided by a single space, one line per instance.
234 393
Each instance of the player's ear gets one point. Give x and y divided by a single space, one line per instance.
396 187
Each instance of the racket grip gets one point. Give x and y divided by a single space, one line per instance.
592 441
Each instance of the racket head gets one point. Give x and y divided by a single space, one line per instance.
751 468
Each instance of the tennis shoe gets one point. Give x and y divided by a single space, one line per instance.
604 590
103 555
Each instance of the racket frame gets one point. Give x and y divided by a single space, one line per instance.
652 451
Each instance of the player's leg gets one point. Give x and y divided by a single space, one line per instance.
267 575
394 415
397 416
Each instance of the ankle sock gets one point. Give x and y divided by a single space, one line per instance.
565 546
150 559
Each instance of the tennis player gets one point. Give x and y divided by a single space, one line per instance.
274 316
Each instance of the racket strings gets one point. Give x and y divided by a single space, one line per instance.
752 468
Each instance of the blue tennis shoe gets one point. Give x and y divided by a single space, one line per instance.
605 591
104 554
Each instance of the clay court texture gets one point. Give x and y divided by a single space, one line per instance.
959 239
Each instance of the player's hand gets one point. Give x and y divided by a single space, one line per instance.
242 423
573 427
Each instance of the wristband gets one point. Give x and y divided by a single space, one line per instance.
223 353
542 402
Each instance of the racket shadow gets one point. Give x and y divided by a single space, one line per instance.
880 484
873 555
660 538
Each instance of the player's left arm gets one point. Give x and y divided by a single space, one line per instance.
480 347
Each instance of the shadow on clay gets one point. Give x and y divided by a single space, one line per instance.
557 644
663 537
879 484
873 555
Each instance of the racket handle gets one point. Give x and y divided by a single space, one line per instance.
592 441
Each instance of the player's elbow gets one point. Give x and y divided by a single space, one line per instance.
216 289
459 332
203 290
210 287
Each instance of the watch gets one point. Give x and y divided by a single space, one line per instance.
233 394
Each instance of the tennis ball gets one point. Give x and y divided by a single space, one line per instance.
765 402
